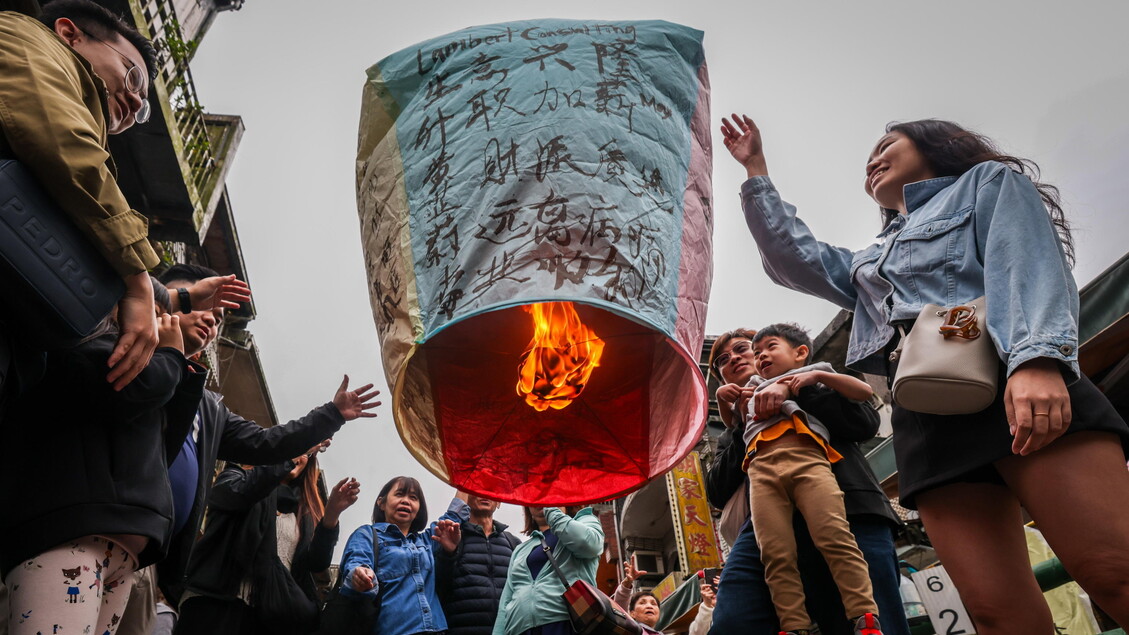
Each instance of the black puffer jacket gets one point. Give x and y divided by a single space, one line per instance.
471 583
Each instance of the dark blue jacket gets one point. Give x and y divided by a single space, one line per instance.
471 583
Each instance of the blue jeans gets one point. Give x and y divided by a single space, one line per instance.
744 604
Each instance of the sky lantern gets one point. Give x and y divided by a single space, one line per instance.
536 218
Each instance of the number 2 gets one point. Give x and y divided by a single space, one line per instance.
952 629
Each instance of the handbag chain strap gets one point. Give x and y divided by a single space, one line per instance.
553 561
959 321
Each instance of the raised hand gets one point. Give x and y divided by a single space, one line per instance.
168 332
219 292
355 403
341 497
630 574
709 596
743 140
447 533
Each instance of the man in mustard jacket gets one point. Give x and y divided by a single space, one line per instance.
66 82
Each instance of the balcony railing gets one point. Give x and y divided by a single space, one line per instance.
176 94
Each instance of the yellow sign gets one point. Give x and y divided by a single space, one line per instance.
693 526
669 585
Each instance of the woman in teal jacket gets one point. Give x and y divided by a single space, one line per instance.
531 603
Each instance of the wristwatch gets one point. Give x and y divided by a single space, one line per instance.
185 300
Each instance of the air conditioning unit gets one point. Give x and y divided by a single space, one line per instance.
649 561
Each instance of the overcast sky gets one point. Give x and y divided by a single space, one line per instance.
1047 80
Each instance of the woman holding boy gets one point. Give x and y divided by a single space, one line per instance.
788 460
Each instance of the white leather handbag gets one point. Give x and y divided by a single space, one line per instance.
947 364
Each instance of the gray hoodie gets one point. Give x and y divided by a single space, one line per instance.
787 409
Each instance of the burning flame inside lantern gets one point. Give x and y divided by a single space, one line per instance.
560 358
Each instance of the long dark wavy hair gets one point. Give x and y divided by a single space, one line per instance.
952 150
310 503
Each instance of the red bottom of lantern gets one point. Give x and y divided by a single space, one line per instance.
641 411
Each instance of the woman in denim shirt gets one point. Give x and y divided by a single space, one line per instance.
408 548
963 220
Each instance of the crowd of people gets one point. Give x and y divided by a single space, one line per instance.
120 437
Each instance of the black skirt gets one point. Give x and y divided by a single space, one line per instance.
936 450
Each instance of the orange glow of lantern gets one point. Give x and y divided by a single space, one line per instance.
560 358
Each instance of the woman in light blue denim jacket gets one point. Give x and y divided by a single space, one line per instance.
963 220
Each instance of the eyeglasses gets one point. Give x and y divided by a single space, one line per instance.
740 348
134 81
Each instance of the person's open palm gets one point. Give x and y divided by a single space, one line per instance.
447 533
355 403
742 138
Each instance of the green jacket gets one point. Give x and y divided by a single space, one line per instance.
53 120
526 602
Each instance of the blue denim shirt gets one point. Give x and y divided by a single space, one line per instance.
985 232
407 572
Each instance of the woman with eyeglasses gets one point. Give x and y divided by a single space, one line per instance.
962 220
67 80
744 602
401 573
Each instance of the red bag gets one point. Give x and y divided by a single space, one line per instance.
590 611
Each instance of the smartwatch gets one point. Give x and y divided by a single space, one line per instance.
185 300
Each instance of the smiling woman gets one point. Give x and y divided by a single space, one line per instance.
965 220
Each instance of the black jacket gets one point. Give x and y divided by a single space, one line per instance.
225 435
241 525
471 583
850 423
81 459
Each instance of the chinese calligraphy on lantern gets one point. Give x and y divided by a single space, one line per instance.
553 154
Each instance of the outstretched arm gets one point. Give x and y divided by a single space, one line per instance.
845 385
790 254
743 140
217 292
246 442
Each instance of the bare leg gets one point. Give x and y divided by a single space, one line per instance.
977 531
1076 489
